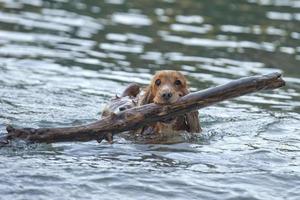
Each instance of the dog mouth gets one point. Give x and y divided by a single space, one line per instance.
166 102
163 102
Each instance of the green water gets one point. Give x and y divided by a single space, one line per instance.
61 61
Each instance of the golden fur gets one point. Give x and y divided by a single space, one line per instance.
166 87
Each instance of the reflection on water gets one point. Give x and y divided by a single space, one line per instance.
62 61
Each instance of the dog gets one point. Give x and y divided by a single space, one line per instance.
166 87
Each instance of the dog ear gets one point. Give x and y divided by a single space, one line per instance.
147 97
192 121
192 118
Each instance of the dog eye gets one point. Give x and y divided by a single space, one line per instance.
157 82
177 82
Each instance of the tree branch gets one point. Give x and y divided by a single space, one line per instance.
138 117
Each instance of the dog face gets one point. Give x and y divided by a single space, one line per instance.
168 86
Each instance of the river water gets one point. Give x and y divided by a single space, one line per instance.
61 61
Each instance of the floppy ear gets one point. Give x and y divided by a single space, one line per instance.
192 119
147 97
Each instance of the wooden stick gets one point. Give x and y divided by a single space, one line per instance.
138 117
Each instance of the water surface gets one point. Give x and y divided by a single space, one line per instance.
61 61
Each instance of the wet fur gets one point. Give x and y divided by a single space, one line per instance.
133 96
153 94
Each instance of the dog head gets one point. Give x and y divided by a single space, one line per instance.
166 87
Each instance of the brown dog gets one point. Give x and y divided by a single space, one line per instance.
167 87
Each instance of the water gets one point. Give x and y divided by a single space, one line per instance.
61 61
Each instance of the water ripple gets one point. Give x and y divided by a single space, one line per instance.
131 19
62 61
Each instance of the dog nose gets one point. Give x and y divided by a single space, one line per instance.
166 95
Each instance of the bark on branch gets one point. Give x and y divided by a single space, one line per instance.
145 115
